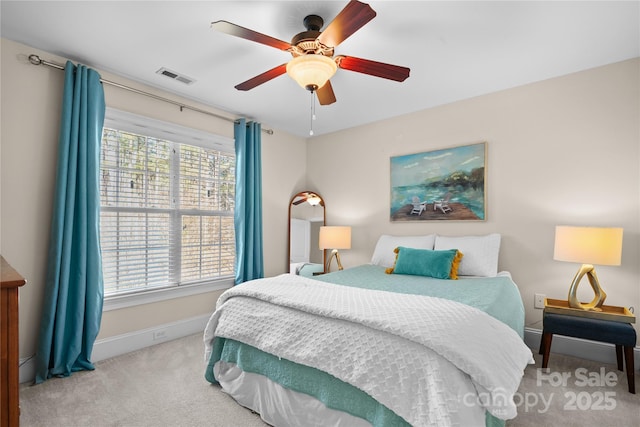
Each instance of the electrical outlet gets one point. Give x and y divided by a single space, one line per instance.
159 335
538 301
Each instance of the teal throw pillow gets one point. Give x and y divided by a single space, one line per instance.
424 262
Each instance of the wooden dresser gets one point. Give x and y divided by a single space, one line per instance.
11 280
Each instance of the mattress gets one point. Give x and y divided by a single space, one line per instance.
498 297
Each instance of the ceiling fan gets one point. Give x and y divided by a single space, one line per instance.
313 63
312 198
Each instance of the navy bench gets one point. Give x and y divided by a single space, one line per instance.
622 335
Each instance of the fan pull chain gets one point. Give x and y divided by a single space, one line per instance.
313 112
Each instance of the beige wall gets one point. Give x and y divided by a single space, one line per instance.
30 115
561 151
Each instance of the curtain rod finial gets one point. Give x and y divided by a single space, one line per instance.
35 59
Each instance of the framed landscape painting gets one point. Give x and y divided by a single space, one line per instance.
440 185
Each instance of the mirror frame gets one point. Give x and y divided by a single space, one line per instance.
324 222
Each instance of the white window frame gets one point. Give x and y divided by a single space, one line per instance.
129 122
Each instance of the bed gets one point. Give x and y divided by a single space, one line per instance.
368 346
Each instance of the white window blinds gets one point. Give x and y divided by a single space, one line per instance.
166 207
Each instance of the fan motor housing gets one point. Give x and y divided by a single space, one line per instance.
305 37
306 42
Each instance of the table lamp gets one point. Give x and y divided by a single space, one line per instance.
588 245
334 238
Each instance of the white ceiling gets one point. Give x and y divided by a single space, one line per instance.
456 50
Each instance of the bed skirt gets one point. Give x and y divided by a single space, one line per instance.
304 390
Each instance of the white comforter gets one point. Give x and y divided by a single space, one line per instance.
430 360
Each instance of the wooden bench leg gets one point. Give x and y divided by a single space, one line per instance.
628 356
546 348
619 357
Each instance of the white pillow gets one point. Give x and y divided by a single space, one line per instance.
383 254
479 253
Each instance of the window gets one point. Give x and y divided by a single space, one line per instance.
167 200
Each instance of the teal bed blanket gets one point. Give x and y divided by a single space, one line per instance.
497 296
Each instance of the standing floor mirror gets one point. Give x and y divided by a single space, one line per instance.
306 216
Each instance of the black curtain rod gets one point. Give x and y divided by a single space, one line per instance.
35 60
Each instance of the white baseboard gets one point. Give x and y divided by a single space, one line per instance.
120 344
577 347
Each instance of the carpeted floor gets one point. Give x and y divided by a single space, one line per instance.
164 385
591 394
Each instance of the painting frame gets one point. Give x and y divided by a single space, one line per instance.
447 184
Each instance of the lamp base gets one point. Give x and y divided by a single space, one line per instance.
600 295
336 255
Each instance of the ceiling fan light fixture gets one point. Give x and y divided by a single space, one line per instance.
311 71
313 200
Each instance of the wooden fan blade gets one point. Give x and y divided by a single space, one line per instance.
373 68
350 19
245 33
325 94
262 78
297 202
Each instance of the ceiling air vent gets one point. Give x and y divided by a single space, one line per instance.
175 76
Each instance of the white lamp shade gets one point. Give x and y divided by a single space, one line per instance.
311 70
335 237
588 245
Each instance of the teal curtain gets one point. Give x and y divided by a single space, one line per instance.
72 306
248 209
